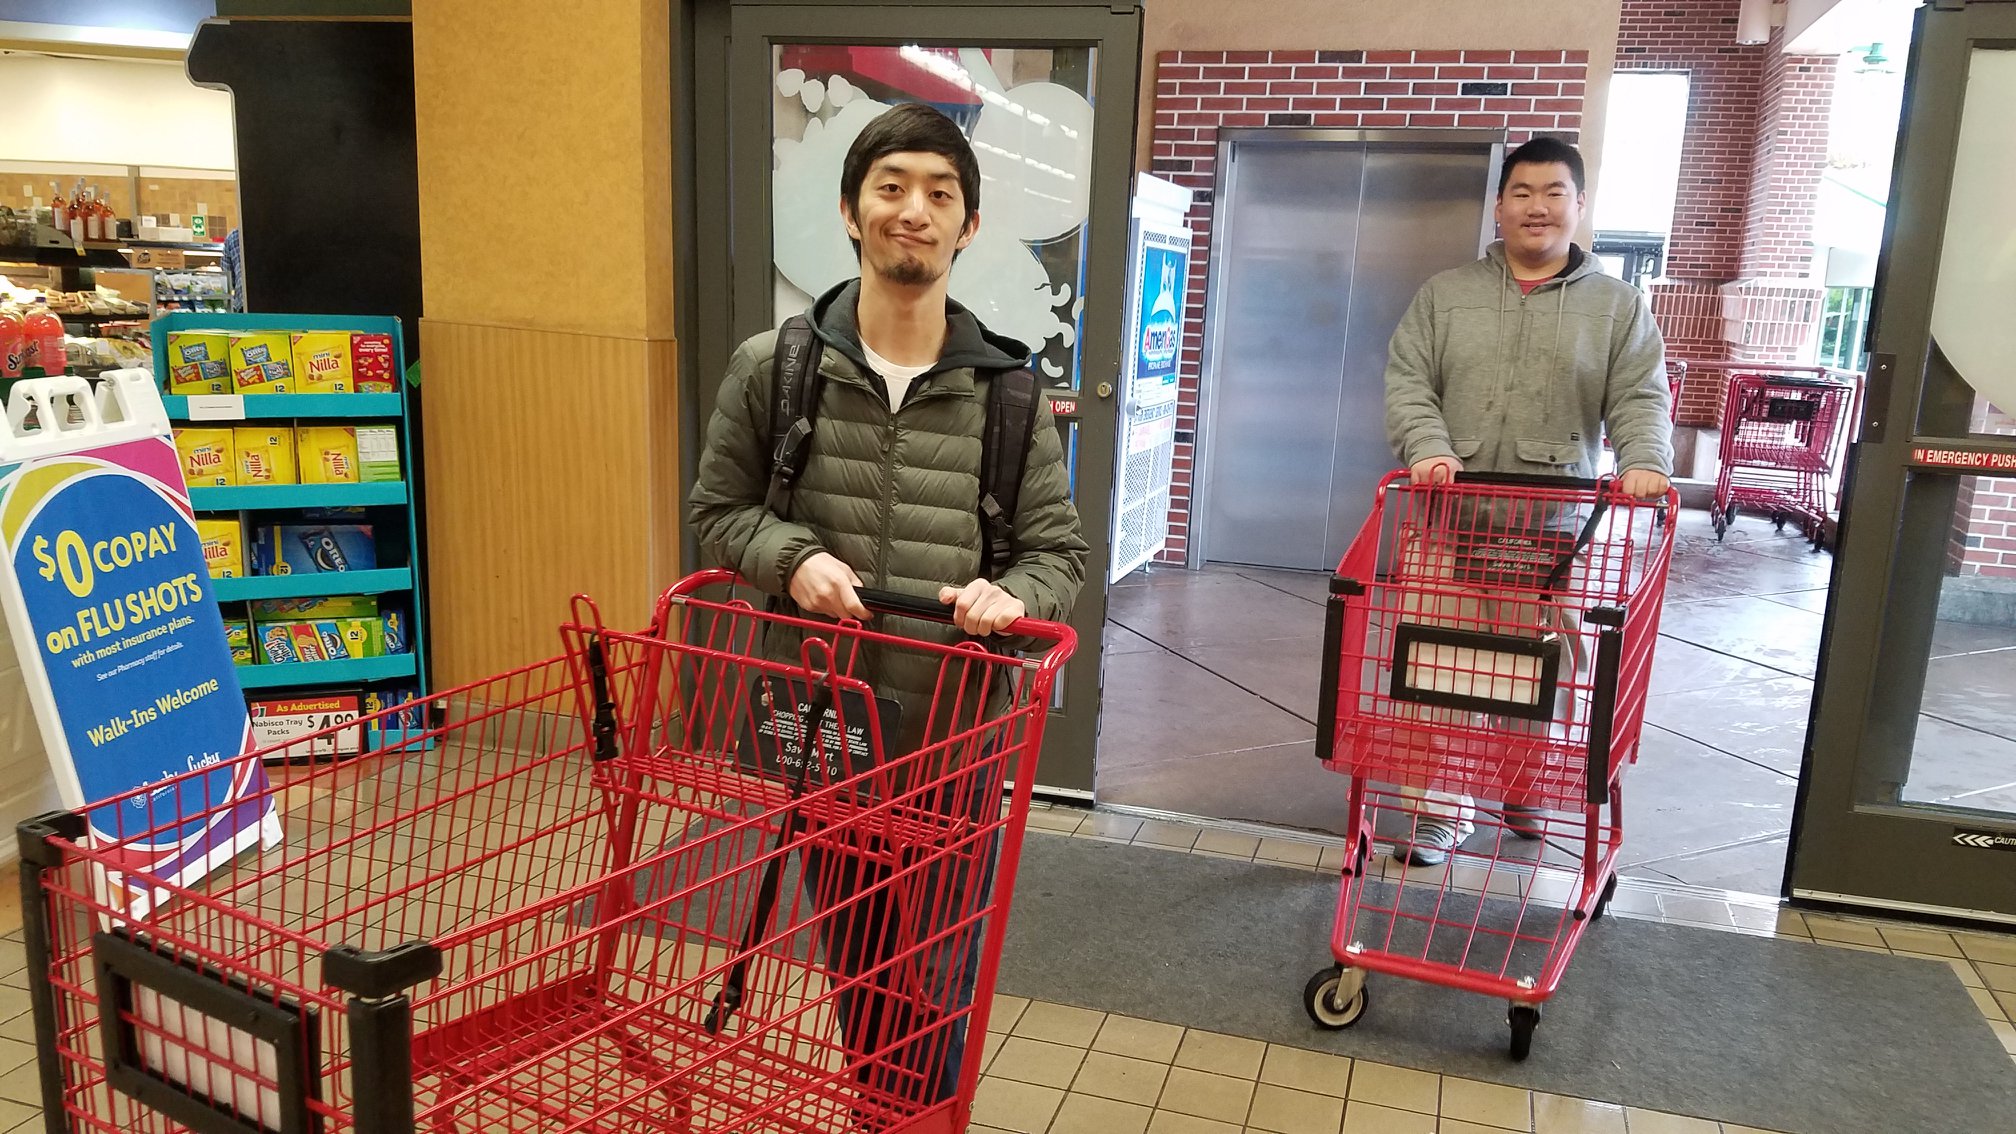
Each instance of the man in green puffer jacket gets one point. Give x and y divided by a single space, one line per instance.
889 498
1519 363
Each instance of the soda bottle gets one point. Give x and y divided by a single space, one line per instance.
13 341
45 340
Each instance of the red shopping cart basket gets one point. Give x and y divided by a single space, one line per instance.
1487 646
666 882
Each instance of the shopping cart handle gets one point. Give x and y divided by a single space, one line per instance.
909 606
1536 480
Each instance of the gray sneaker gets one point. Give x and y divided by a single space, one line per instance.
1529 823
1433 840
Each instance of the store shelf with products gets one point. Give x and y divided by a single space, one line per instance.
321 582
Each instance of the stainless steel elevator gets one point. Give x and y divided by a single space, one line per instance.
1323 237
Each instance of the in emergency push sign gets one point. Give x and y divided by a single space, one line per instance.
119 634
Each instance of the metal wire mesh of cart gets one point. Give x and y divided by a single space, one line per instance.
531 916
1493 637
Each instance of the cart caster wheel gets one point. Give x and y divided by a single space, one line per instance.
1729 514
1336 997
1603 903
1523 1018
1357 864
1721 525
1778 522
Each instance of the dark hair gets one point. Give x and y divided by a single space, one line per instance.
911 128
1543 150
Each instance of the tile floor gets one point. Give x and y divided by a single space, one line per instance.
1210 703
1056 1069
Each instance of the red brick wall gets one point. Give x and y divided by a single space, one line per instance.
1990 506
1791 155
1705 249
1197 92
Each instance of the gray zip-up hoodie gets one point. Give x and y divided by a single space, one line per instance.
1508 383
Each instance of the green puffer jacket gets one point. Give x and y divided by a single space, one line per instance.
894 494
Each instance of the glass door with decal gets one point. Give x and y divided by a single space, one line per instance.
1909 801
1045 92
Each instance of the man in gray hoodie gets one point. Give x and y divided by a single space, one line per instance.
1518 363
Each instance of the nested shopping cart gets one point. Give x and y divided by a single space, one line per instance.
1488 643
682 881
1785 432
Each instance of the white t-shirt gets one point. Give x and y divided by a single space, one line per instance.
898 377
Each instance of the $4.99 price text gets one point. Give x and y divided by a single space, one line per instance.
84 566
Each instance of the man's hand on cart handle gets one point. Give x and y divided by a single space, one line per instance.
1435 470
981 608
824 585
1644 484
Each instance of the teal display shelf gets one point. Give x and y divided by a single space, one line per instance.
349 671
272 502
286 407
314 586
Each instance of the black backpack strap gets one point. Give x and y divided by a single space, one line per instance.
794 402
1004 453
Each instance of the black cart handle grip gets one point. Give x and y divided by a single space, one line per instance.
1535 480
909 606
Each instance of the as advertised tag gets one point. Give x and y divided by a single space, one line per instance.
775 738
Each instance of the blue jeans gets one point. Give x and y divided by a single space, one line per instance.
902 1003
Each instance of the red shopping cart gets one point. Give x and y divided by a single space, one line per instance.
1783 435
626 889
1488 640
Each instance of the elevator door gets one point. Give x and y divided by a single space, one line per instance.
1324 238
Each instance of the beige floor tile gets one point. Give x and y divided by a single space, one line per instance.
1178 836
1458 1126
1220 1054
1487 1104
14 1053
1085 1114
2004 1031
1294 852
1119 1077
1332 860
1199 1093
1728 1128
1033 1061
1397 1087
1103 825
1138 1039
1824 928
989 1049
2008 1002
14 1116
1792 923
1059 1023
1314 1071
23 1084
1280 1110
1658 1122
1930 942
1005 1011
2001 978
1557 1114
1367 1118
1169 1122
1967 973
1995 948
1225 842
1991 1007
1022 1108
1856 946
1688 909
1057 821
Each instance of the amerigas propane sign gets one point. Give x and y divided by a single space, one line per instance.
119 635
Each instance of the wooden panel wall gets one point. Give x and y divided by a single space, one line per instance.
159 196
552 469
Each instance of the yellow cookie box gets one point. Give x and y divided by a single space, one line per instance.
207 457
223 548
262 362
266 454
199 362
328 454
322 363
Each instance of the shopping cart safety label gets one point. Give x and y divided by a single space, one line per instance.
774 735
